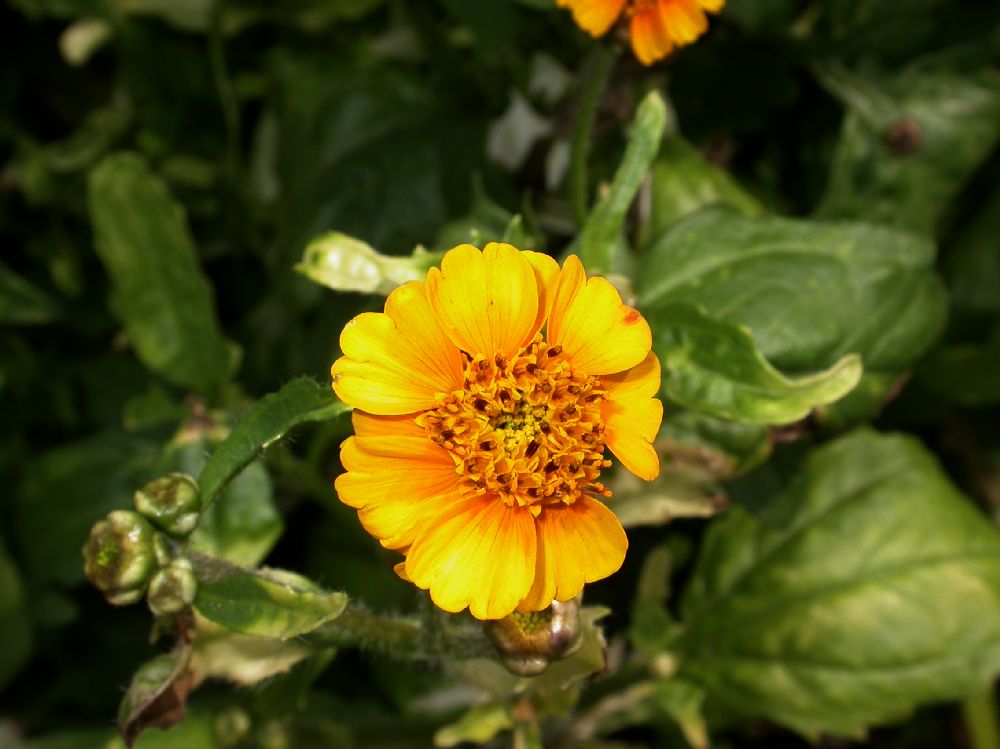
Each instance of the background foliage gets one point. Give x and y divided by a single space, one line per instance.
806 206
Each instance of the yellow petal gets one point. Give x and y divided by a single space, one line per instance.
396 483
546 269
641 381
371 425
712 6
561 291
630 428
482 556
578 543
594 16
487 302
683 20
599 335
650 41
396 362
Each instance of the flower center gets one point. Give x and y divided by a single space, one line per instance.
528 429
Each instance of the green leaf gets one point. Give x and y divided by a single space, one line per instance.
715 368
725 449
683 181
21 303
682 701
157 696
810 292
680 492
15 627
270 603
218 653
480 724
602 239
158 289
300 401
863 403
652 627
869 587
244 525
908 144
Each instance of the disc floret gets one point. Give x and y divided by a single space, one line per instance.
527 429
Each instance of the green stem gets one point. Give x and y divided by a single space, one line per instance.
595 79
980 716
359 627
406 638
527 732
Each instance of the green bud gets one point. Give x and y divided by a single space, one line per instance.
527 643
343 263
173 588
172 503
120 556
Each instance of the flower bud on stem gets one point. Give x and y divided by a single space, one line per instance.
173 588
172 503
528 642
120 556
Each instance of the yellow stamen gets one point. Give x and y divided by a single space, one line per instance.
528 429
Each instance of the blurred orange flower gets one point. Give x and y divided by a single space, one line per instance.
479 440
656 27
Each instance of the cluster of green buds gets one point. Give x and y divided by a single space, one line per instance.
132 553
527 643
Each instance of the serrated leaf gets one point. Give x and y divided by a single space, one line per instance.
811 292
269 603
159 292
872 587
300 401
714 367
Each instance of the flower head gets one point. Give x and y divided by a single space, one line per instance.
656 27
484 400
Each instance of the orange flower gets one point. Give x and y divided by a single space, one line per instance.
655 26
479 440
